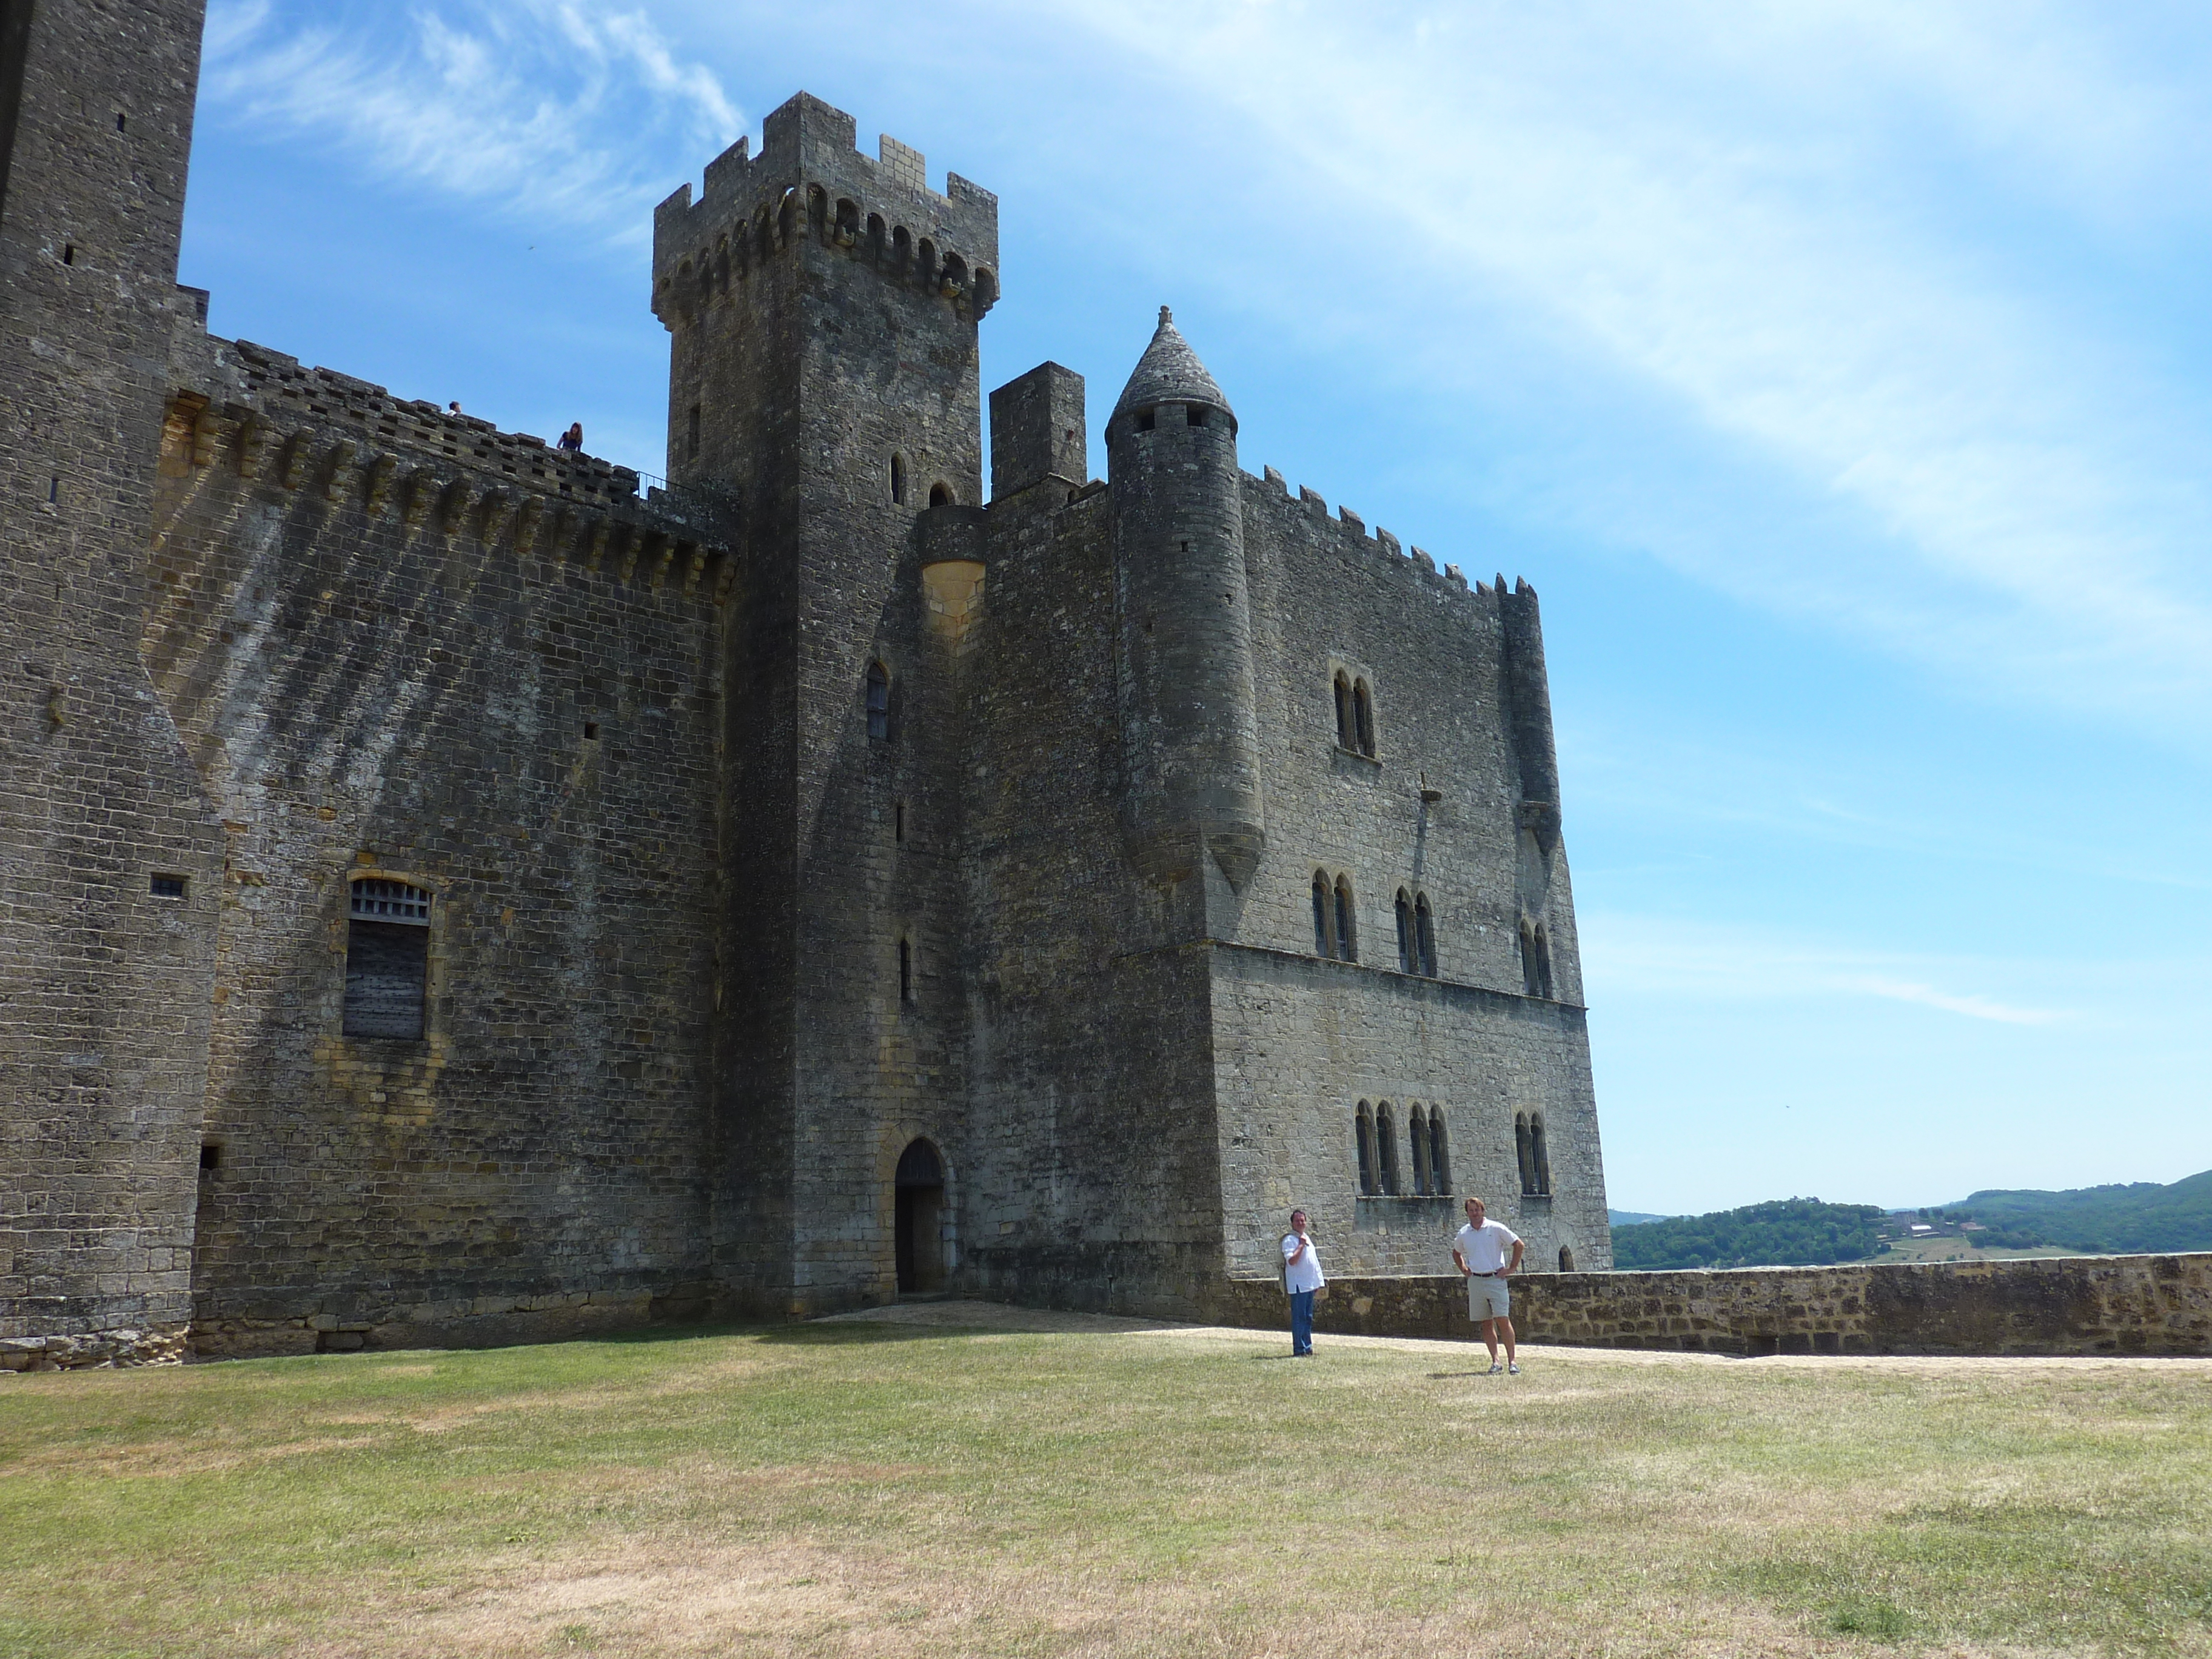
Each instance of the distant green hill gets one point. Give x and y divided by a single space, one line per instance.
2138 1217
1633 1217
1795 1232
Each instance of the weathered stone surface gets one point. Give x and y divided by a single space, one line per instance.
105 977
709 938
2130 1305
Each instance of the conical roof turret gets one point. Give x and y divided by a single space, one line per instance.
1169 373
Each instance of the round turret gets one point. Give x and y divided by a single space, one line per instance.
1189 721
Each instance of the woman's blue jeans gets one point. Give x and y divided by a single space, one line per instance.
1302 1321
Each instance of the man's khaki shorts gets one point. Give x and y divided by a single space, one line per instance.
1487 1299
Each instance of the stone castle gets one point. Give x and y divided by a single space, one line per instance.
447 894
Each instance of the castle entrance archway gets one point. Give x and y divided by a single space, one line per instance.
920 1185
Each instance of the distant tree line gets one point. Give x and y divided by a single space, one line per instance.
1792 1232
2139 1217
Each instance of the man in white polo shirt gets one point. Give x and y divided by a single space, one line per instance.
1302 1277
1479 1248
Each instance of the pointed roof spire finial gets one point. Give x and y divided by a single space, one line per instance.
1169 372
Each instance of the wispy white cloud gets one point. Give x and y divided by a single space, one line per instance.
545 111
1832 233
1927 996
1647 957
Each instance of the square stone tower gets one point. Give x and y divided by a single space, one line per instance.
111 861
823 310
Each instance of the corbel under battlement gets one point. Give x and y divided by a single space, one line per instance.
350 445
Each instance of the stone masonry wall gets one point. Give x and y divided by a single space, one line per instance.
1094 1182
1436 811
1300 1038
2128 1304
822 309
109 854
401 645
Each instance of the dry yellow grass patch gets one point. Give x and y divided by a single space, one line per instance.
957 1480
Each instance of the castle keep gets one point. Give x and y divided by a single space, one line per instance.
447 894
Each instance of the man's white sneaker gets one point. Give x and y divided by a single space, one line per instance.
1494 1369
1514 1369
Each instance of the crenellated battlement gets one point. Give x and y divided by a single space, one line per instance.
810 184
1307 506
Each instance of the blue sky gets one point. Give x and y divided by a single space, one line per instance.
1840 374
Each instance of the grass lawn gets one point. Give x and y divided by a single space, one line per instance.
915 1486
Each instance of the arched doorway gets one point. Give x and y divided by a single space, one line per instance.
920 1247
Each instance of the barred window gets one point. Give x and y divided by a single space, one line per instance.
375 900
387 959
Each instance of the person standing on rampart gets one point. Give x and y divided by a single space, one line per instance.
1479 1248
1302 1277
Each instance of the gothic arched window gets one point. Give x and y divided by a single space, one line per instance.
1535 961
1407 958
1385 1145
1424 937
1417 1131
1363 1129
1323 901
1439 1164
1347 936
879 701
1347 734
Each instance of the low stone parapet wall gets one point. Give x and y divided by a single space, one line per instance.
2123 1305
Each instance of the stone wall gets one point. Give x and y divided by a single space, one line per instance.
2128 1305
1439 811
402 645
1095 1181
109 854
707 945
1299 1039
822 307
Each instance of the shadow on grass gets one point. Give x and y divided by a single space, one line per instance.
852 1333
